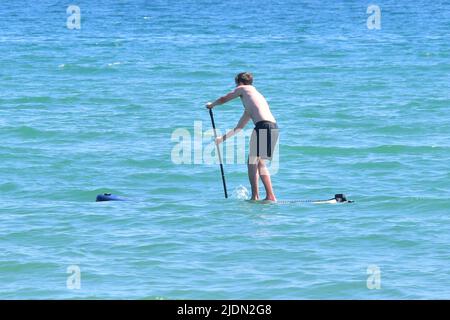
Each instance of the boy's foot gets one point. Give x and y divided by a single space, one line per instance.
270 199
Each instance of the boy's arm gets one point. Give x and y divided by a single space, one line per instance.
230 96
242 121
240 125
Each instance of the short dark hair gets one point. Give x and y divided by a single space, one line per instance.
245 78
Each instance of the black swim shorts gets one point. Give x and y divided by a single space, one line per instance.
263 140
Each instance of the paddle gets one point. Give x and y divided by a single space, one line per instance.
218 152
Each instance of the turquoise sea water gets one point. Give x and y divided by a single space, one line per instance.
362 112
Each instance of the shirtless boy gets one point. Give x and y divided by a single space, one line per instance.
264 136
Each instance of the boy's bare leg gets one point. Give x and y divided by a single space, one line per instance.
265 178
253 176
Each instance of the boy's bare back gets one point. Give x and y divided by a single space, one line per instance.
254 102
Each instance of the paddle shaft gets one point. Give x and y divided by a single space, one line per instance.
218 152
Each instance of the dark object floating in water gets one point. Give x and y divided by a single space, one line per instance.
109 197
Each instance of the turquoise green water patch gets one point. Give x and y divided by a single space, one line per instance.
92 111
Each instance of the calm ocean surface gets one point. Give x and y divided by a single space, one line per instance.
362 112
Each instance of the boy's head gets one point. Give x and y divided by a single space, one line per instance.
245 78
